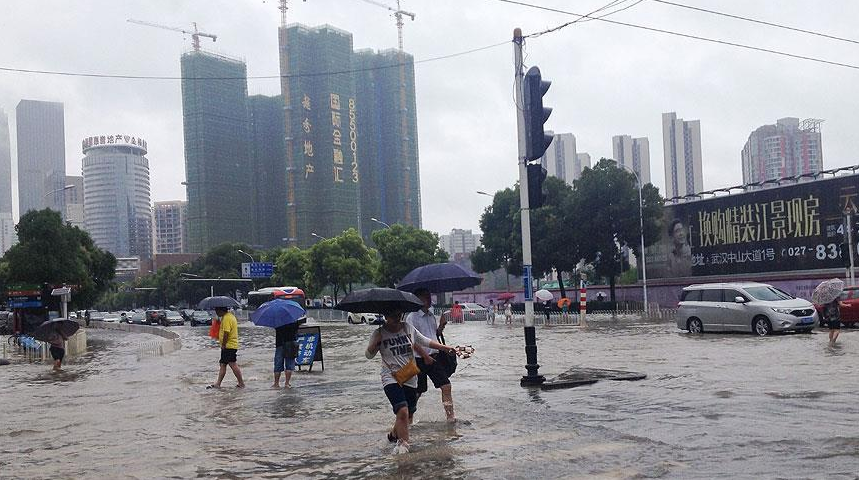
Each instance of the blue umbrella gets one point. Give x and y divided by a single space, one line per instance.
277 313
439 277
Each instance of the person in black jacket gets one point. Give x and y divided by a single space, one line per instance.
285 352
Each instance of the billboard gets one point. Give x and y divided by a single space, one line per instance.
790 228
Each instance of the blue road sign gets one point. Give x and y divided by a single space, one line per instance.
257 269
528 283
307 344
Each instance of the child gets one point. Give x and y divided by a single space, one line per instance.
394 340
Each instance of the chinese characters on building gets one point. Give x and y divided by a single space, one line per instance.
90 142
753 222
337 137
353 139
307 127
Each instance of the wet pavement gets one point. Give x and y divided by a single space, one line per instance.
712 406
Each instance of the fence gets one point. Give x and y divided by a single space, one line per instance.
152 348
28 349
326 315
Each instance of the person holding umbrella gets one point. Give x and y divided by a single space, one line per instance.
428 360
828 294
228 338
56 332
58 349
285 316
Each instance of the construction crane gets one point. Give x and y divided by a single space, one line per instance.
398 14
195 34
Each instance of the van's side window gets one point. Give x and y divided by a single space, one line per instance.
730 295
691 296
711 295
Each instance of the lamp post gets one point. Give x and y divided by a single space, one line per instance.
211 287
372 219
483 193
641 231
67 187
314 234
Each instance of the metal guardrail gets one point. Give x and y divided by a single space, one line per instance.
326 315
25 347
153 348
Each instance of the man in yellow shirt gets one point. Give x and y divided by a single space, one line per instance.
228 337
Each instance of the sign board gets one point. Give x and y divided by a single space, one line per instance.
528 283
309 347
257 270
790 228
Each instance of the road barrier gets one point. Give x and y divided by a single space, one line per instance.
28 349
153 348
326 315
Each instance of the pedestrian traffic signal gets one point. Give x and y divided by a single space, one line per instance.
536 175
536 140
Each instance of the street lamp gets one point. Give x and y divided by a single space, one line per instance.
483 193
67 187
372 219
191 275
245 253
641 231
313 234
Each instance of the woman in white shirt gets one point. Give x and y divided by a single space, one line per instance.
394 340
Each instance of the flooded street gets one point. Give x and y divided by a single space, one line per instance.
713 406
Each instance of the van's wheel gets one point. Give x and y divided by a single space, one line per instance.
761 326
694 325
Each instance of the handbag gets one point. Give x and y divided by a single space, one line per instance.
215 329
448 362
404 374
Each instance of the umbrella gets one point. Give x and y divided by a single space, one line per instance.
564 301
544 295
277 313
506 296
211 303
379 300
47 331
439 277
827 291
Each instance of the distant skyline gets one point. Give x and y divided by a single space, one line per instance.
464 107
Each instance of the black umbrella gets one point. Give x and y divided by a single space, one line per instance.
211 303
440 277
47 331
379 300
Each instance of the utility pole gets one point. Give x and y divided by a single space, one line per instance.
533 378
848 213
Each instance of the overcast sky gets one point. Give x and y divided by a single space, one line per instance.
606 79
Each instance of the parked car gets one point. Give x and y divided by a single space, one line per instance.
470 312
137 318
742 307
371 318
111 318
155 317
201 317
850 313
172 317
94 316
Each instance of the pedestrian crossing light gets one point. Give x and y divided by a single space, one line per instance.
536 140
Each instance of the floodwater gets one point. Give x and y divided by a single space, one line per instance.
713 406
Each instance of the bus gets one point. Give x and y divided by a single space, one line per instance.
258 297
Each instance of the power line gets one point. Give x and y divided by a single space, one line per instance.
762 22
688 35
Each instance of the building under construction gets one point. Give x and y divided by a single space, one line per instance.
389 149
217 165
267 154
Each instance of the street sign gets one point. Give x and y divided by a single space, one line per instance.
257 269
309 341
528 283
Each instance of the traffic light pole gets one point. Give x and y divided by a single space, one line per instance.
533 378
851 246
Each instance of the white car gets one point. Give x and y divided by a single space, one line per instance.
470 312
371 318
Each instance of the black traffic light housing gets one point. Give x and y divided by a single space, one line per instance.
536 174
536 140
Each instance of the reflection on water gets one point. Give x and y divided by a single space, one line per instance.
712 406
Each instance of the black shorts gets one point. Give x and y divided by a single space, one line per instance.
434 372
835 324
58 353
402 396
228 355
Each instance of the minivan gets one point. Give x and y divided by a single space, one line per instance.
743 307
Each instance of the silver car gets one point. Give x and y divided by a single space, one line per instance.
743 307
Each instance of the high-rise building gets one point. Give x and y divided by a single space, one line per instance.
583 161
268 164
681 143
560 159
388 151
7 223
217 165
41 155
788 148
74 201
459 243
323 132
633 153
170 232
117 210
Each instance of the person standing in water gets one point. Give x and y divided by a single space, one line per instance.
394 340
428 359
832 315
58 350
228 338
284 353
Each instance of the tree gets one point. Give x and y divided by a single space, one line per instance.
340 262
403 248
604 208
501 245
291 266
54 253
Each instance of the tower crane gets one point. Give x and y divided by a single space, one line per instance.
398 14
195 34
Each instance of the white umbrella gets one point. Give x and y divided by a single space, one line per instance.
827 291
544 295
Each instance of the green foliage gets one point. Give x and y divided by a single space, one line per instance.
501 243
49 251
340 262
291 266
403 248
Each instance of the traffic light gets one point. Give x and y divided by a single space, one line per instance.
536 175
536 140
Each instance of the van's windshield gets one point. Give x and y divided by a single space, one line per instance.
768 293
